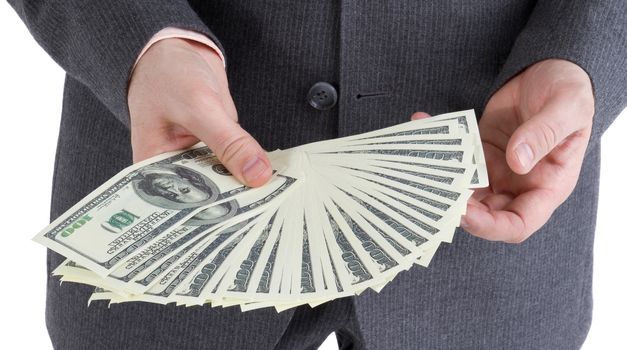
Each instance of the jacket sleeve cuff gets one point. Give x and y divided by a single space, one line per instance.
583 32
98 41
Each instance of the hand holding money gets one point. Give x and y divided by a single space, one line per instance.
535 131
178 95
336 218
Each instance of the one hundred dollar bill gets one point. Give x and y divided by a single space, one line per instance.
337 217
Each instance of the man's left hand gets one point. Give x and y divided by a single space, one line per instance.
535 131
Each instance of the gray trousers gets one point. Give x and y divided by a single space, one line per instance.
309 327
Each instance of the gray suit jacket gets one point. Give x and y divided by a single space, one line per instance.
387 60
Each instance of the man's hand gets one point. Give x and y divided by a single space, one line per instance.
178 95
535 131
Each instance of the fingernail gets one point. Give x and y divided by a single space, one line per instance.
524 154
253 169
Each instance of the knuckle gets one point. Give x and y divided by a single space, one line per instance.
547 136
230 148
520 233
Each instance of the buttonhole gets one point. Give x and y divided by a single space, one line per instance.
372 94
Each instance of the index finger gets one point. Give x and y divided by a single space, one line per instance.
515 221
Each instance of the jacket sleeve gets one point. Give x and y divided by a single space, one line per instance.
589 33
97 41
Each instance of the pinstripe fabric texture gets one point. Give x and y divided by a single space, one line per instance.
387 59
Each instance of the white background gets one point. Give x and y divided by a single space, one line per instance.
30 107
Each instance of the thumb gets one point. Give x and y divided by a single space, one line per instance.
240 153
541 133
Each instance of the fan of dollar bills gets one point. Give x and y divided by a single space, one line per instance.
336 218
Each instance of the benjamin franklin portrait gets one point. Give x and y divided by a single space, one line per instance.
214 214
174 187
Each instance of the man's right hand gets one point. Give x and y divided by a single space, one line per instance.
178 95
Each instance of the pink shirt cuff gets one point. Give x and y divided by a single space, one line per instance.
172 32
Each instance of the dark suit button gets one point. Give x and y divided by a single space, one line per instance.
322 96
